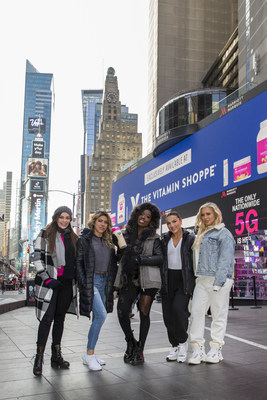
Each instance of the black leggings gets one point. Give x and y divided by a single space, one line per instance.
126 298
56 312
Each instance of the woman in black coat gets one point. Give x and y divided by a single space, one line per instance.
139 276
178 282
96 272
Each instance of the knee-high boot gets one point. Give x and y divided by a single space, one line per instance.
38 362
57 360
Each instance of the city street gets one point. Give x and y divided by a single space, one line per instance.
242 374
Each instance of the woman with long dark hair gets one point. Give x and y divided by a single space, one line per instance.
55 288
178 282
96 272
139 275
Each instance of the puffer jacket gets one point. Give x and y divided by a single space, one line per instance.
85 262
187 263
149 250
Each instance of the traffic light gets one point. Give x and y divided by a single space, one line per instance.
28 249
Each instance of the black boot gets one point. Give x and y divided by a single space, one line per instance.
131 345
38 362
138 357
57 360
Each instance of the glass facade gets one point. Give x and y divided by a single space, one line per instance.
38 103
91 103
189 108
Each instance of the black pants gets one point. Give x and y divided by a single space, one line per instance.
175 309
126 298
56 312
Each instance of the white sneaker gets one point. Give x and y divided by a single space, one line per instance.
91 362
198 354
182 352
215 354
172 356
101 362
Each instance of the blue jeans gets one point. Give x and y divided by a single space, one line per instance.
98 309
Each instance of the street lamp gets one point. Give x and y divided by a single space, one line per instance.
71 194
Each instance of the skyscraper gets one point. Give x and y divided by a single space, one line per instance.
185 37
5 209
35 153
252 42
91 104
117 144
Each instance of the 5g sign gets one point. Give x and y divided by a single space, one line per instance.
248 222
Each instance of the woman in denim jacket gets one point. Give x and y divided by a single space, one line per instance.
213 252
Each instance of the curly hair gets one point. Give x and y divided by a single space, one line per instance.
155 216
107 235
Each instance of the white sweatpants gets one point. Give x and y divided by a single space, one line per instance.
203 298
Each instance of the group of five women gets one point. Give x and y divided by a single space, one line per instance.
180 265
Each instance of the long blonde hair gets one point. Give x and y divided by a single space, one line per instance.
202 228
107 235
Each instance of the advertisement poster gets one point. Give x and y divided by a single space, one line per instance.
24 219
36 125
217 158
37 167
38 147
37 215
226 163
37 185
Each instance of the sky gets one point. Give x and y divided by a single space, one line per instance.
76 41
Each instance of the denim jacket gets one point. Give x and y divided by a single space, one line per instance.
216 255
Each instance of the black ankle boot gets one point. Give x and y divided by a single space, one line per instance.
38 362
131 345
57 360
138 357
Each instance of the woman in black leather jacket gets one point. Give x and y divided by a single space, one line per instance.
139 274
178 282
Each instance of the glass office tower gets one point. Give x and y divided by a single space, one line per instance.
35 155
91 104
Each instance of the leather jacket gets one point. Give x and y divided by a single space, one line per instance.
187 263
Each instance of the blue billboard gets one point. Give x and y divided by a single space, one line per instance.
226 154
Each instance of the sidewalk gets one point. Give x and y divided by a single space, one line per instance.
242 374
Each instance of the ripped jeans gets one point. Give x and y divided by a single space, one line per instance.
98 309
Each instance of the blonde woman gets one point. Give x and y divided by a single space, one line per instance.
213 253
96 272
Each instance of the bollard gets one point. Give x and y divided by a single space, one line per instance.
255 294
232 300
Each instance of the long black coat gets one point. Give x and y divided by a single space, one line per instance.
85 262
187 263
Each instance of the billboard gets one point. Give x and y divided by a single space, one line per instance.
37 167
36 125
37 185
218 158
226 163
24 219
38 147
37 215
